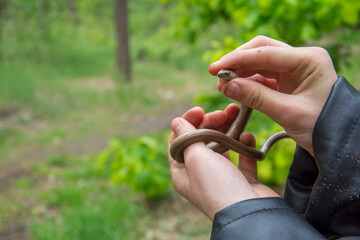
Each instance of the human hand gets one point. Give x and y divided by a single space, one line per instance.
208 179
290 85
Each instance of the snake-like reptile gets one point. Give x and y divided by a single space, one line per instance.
220 142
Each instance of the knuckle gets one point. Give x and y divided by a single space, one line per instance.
319 54
264 52
319 51
260 39
312 59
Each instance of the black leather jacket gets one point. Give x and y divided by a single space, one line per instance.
322 196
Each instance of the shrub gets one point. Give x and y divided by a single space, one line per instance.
140 163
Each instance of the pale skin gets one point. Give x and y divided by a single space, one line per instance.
290 85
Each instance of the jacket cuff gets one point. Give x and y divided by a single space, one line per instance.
257 218
338 126
334 203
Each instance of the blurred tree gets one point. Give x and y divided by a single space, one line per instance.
122 51
72 6
2 10
44 10
163 21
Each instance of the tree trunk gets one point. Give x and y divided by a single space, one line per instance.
2 9
72 7
122 51
164 8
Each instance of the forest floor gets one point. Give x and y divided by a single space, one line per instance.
38 147
177 208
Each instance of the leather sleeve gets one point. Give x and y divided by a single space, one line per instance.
334 203
322 193
326 189
263 218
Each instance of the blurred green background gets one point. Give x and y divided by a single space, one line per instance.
85 105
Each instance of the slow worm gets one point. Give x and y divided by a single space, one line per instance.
220 142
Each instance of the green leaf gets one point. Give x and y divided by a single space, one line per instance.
308 31
349 12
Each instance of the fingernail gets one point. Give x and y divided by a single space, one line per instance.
176 124
232 90
215 62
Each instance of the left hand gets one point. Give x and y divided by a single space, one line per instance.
208 179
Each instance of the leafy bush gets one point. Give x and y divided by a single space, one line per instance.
230 23
140 163
274 169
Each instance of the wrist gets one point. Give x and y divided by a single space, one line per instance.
260 191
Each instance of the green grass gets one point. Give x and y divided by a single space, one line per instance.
17 85
76 204
106 219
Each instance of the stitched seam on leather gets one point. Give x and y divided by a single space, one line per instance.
261 210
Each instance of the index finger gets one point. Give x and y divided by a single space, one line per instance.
258 41
270 58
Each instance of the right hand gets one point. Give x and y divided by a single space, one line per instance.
290 85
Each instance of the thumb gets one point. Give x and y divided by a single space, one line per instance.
255 95
181 126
